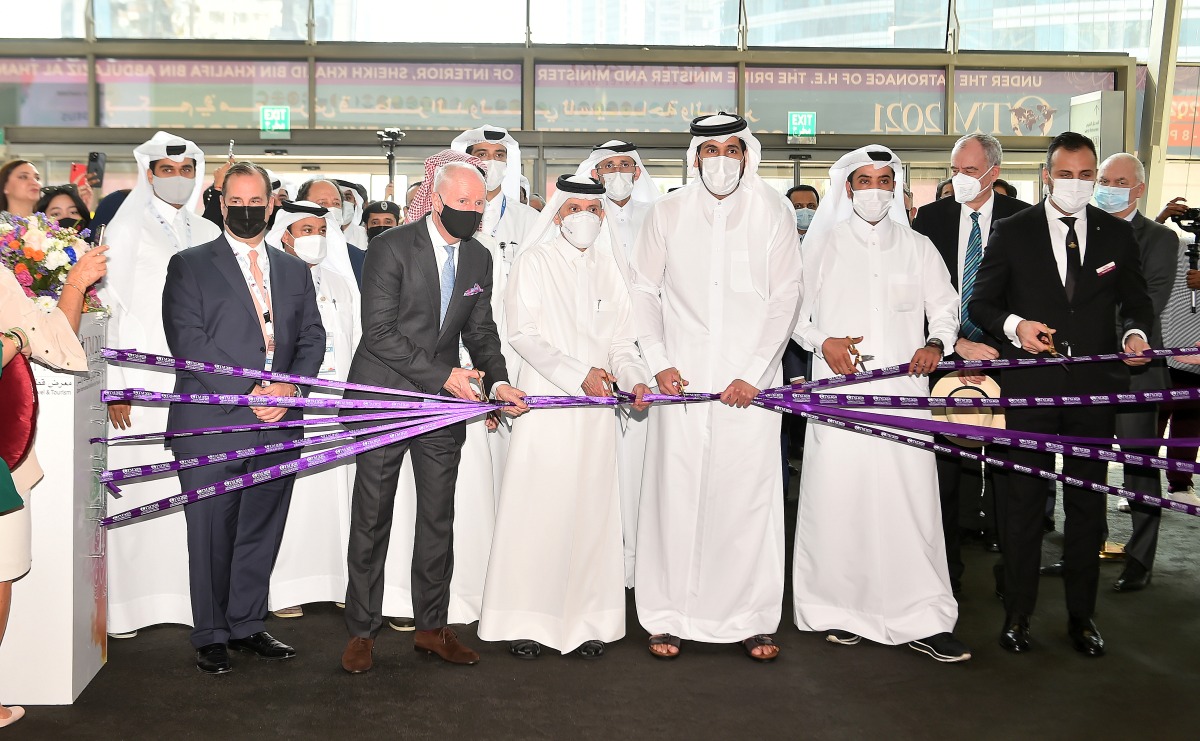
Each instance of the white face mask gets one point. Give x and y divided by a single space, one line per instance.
496 171
347 212
966 188
174 190
873 205
581 229
310 248
1071 196
618 185
721 175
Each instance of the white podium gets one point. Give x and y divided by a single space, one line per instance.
56 640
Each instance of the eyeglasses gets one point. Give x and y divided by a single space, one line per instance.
609 167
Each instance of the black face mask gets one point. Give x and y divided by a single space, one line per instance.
460 224
70 222
375 231
246 221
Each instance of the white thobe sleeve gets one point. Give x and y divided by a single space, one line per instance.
806 332
942 304
525 313
783 301
624 359
647 270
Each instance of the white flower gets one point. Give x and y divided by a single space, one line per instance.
56 259
45 303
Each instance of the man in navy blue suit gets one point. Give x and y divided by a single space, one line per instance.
237 302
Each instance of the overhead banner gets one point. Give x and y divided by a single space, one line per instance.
172 93
43 92
609 97
362 95
1020 102
847 101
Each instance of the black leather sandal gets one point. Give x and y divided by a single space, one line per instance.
525 649
664 639
590 650
754 642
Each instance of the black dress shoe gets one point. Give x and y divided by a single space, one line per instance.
1133 578
1054 569
1015 636
213 659
1085 637
264 646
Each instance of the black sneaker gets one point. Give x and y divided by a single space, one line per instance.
844 637
403 624
944 647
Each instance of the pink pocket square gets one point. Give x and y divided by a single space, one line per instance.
474 290
1105 269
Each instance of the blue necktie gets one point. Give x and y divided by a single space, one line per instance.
447 282
970 267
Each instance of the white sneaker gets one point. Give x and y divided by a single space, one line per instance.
130 634
1187 497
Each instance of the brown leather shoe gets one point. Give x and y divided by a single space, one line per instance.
356 659
444 643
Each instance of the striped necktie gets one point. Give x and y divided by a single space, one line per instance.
970 268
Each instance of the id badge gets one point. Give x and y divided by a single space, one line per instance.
329 364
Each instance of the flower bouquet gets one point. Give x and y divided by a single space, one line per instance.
40 253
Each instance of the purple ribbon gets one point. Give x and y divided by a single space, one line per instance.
950 365
139 472
290 468
968 402
133 357
1150 499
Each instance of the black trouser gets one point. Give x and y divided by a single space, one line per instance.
435 457
963 483
233 540
1021 508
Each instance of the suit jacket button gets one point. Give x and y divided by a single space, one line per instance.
262 349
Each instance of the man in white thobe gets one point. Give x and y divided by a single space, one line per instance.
506 222
715 290
148 564
869 555
311 565
629 192
570 318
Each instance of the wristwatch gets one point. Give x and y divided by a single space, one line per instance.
935 342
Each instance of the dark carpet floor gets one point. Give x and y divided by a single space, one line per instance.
1147 687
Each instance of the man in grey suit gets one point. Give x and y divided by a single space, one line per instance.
424 285
1121 182
237 302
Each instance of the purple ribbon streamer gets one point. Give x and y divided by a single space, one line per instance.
139 472
966 402
286 469
1149 499
133 357
950 365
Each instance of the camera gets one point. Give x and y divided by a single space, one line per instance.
1189 220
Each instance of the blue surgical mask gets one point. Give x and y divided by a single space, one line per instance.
804 217
1112 199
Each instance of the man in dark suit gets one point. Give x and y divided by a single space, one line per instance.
1052 280
959 227
425 285
1122 181
235 301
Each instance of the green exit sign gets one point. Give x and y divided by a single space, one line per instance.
802 127
275 122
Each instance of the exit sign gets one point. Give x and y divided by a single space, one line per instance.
802 127
275 122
